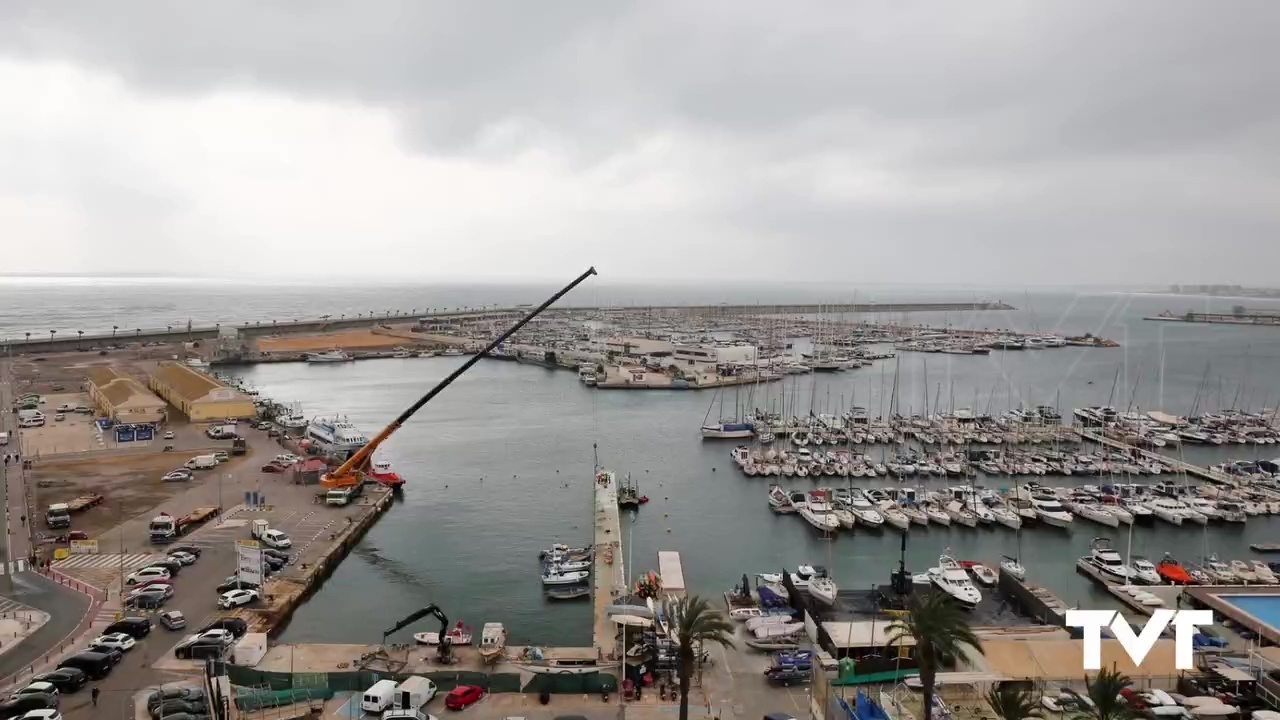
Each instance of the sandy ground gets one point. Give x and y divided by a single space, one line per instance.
380 338
68 371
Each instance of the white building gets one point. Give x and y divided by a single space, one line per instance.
714 354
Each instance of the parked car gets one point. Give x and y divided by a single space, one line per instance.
179 709
272 467
123 642
199 648
463 697
188 549
233 582
145 601
221 456
173 566
147 573
138 627
19 705
113 654
173 620
183 558
58 417
286 459
188 694
236 626
236 598
181 475
273 433
278 554
67 680
44 714
163 589
39 687
94 665
222 635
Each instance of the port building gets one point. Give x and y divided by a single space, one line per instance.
124 399
199 396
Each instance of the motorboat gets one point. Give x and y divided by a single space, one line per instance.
569 578
1050 512
1014 568
1006 517
1220 572
983 574
1141 512
567 592
745 613
457 635
951 579
1169 510
1090 509
823 589
780 500
567 566
863 510
896 517
564 550
1103 557
328 356
817 512
1264 573
1145 571
1171 571
1244 571
336 435
1205 507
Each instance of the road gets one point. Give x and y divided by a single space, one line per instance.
17 535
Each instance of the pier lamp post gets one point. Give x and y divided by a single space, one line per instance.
28 338
79 337
51 334
167 329
137 332
114 328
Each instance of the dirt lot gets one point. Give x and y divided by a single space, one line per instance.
345 339
131 484
68 371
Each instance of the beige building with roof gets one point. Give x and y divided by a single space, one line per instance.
123 398
199 396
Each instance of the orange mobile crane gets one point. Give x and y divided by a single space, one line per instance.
351 472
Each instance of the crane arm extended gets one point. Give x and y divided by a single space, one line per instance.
360 460
417 615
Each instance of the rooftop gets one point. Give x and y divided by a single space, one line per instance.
187 382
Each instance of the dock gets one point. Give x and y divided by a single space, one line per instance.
671 571
608 576
1182 466
1168 594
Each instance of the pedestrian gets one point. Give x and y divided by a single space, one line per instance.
94 696
24 520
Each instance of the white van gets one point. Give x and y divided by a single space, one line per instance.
4 438
202 462
413 692
30 419
378 697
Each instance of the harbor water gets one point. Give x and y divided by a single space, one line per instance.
500 464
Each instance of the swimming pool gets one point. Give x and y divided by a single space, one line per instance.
1263 607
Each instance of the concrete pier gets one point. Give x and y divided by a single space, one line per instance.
1203 473
608 577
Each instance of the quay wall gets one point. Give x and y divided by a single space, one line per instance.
1033 600
284 597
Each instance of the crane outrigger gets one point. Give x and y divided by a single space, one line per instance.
351 472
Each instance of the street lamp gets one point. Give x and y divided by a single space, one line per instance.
51 334
114 328
79 337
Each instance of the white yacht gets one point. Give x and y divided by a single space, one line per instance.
1050 512
817 512
863 510
951 579
336 435
1168 510
1090 509
1103 557
823 589
328 356
1205 507
1013 567
894 516
1145 571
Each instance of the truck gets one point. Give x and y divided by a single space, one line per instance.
343 496
258 529
58 515
167 528
221 431
202 462
238 446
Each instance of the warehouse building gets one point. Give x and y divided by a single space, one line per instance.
199 396
122 398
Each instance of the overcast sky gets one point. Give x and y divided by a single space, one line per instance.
1075 141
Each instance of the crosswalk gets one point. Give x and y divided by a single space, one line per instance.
8 606
106 561
13 568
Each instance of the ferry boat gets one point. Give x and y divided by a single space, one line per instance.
328 356
336 435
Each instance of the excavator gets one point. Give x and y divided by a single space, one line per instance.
444 649
352 472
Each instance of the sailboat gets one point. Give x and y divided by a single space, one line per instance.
725 428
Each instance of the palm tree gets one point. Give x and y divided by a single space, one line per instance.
940 630
1104 691
697 623
1010 702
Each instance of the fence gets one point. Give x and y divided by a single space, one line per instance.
360 680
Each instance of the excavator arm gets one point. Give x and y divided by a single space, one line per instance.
351 471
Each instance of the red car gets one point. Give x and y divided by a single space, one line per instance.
463 696
273 468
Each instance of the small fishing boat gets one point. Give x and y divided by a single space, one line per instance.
493 642
384 475
457 635
567 592
1145 571
569 578
563 550
983 574
536 660
780 500
568 566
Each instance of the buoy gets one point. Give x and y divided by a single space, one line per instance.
668 529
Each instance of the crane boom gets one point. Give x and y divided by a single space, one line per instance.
349 472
